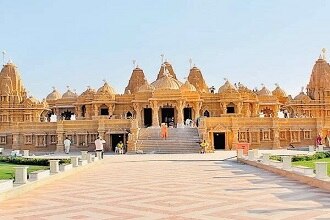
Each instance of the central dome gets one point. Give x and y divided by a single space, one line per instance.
167 82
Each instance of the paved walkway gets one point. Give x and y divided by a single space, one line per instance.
170 187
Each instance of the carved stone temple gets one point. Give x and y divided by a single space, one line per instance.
224 116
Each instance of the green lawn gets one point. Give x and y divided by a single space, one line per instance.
311 163
7 170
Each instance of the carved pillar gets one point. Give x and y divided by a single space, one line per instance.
179 107
197 108
60 136
239 107
255 110
223 106
235 138
155 118
96 110
16 144
137 109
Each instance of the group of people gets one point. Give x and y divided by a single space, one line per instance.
99 146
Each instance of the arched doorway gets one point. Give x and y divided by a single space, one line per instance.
147 117
187 113
83 111
231 108
104 110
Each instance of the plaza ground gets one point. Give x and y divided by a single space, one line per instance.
191 186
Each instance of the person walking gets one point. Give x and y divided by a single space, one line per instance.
164 131
67 144
99 145
120 147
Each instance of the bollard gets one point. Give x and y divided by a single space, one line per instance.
26 153
54 166
265 158
89 158
74 161
21 174
286 163
311 148
320 148
256 153
321 170
239 153
251 155
84 155
99 155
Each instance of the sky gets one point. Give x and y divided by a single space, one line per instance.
80 43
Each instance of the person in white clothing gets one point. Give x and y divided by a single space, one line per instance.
67 144
99 145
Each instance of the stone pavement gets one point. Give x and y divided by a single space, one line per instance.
170 187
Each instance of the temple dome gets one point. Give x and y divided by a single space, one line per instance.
279 92
146 88
227 87
88 91
69 95
188 87
106 88
264 92
167 82
54 95
302 97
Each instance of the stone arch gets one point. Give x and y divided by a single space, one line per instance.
231 108
206 113
104 110
129 114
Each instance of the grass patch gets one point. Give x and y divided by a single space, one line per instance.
7 170
311 164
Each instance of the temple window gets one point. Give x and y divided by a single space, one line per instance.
206 113
307 134
282 135
243 136
230 108
53 139
265 135
41 140
104 110
129 115
28 139
3 139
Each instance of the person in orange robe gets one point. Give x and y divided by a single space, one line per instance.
164 131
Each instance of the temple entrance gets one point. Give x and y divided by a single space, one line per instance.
168 116
115 138
187 113
104 110
230 108
147 115
219 140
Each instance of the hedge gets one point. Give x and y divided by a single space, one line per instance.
30 161
316 156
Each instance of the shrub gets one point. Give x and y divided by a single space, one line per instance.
29 161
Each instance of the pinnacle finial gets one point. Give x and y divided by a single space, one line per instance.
324 53
190 62
53 88
225 79
134 62
3 56
263 85
302 89
68 87
162 55
277 85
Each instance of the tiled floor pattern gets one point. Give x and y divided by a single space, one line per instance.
172 189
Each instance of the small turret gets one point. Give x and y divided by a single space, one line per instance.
195 77
136 81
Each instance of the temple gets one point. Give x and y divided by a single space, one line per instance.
224 117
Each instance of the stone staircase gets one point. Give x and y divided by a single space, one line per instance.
179 141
